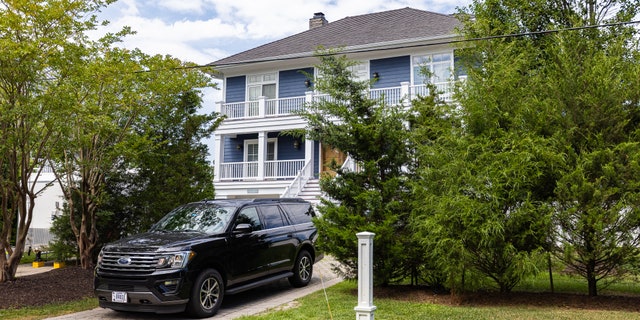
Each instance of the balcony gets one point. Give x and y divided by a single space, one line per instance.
270 170
265 108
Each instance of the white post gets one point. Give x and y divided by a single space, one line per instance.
218 156
365 308
405 93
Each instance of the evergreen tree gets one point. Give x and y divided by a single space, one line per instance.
374 196
548 133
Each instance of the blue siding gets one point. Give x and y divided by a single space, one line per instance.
231 151
235 89
392 71
316 159
291 83
286 151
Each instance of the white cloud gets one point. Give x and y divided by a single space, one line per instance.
193 6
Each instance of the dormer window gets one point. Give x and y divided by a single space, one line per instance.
259 85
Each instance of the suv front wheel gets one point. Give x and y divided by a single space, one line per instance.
302 270
206 294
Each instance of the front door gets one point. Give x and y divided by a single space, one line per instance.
329 156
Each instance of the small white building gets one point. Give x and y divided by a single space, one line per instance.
48 205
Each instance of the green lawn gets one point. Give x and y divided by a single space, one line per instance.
342 299
51 310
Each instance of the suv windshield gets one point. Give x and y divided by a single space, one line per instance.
207 218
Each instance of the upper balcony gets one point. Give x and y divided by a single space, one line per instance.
271 108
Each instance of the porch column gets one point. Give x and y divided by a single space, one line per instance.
262 106
308 96
309 153
217 157
262 153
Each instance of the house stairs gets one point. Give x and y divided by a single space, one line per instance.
311 192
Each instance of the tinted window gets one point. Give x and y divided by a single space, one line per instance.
272 217
249 216
299 212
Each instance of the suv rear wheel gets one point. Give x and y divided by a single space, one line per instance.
302 270
206 294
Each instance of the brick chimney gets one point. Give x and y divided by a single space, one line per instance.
318 20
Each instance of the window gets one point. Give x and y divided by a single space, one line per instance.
360 71
259 85
439 65
249 216
299 213
272 217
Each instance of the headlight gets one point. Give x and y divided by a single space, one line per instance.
100 256
175 260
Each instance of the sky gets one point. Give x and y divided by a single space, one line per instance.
203 31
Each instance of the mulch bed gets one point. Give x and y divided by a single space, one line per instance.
74 283
58 285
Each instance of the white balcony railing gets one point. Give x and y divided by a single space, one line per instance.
279 169
264 107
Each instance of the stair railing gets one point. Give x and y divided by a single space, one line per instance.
294 188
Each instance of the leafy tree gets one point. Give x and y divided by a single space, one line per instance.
173 171
36 39
112 91
374 197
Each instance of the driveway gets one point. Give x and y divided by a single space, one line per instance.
276 295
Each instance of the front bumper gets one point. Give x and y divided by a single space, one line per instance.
144 294
141 302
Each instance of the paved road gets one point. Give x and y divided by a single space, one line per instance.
276 295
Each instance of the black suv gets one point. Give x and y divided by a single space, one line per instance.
201 251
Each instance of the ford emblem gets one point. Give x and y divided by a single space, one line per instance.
124 261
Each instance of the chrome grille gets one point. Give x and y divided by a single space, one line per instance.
136 262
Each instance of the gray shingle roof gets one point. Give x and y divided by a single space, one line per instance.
367 29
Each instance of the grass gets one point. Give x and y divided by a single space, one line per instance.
341 303
50 310
342 300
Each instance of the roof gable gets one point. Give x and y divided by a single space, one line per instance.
382 27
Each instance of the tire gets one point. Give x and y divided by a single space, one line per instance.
206 294
302 270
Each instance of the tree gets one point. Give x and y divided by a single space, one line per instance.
173 171
35 38
109 94
479 197
374 197
574 95
597 197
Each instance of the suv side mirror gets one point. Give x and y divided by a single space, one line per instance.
242 228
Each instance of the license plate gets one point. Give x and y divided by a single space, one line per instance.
119 296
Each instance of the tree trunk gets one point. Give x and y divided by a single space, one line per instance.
591 280
550 271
